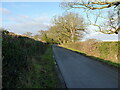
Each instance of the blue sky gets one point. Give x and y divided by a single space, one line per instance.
33 9
21 17
17 14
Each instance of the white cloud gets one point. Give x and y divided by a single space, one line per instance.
19 19
24 24
92 33
4 11
101 36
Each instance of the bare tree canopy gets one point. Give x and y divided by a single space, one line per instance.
96 5
28 34
72 22
111 23
91 4
68 27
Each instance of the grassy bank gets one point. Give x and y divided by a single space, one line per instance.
103 51
27 63
42 73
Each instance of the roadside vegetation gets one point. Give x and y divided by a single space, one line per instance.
68 29
104 51
27 63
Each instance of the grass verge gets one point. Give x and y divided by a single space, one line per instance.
27 63
114 64
42 73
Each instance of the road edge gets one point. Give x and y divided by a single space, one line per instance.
59 73
111 66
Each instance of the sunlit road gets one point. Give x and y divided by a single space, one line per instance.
79 71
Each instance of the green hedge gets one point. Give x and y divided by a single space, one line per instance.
19 55
103 50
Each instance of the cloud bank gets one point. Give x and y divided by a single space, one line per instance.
22 24
4 11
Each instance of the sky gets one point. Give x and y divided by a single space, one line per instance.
21 17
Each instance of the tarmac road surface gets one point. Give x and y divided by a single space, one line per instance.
80 71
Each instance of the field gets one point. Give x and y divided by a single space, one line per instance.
27 63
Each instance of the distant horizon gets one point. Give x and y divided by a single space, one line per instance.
115 37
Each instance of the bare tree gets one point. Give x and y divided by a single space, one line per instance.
59 34
28 34
95 5
110 23
91 4
72 22
36 37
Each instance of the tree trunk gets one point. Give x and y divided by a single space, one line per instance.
73 35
